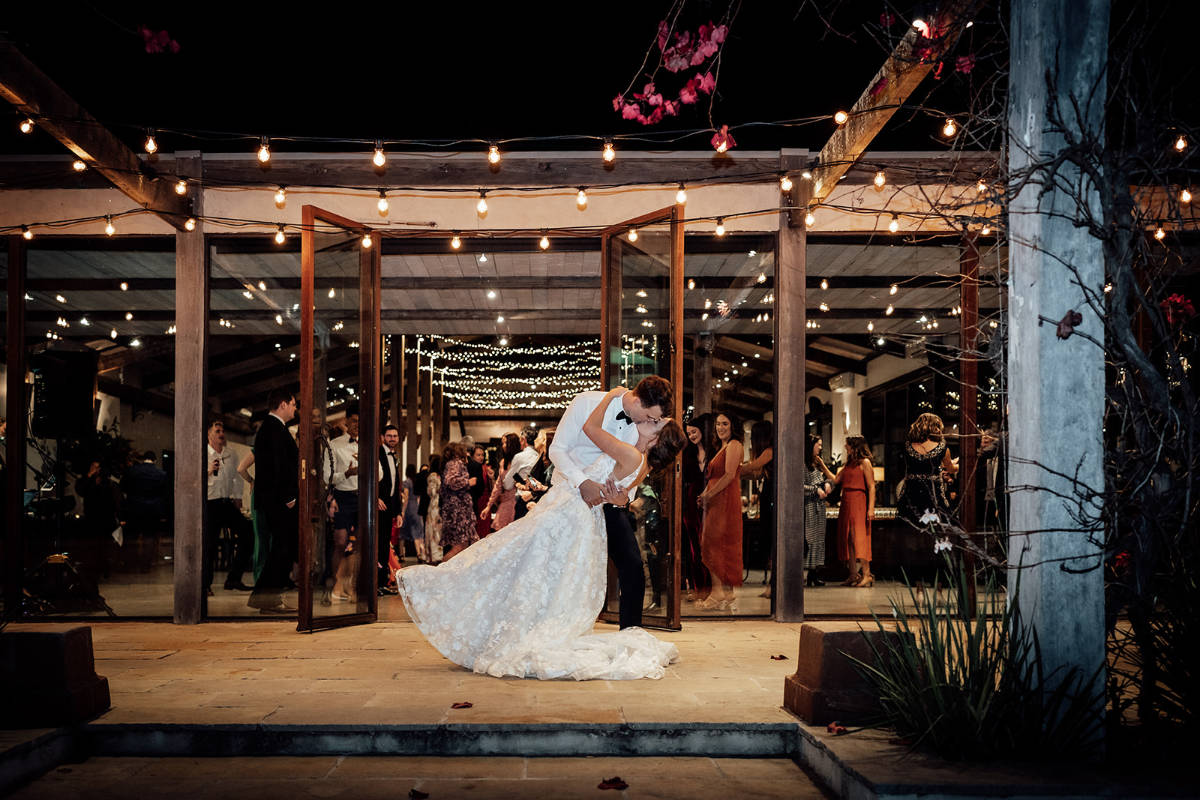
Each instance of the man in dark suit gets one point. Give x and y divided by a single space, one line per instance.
276 499
389 501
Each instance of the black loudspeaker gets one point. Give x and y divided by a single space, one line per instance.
64 387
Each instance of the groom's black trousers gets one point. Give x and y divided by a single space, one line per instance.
627 557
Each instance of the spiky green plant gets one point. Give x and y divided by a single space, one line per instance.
970 685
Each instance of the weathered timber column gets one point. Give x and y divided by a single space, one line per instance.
968 375
790 273
425 388
411 408
191 389
438 415
17 415
702 345
396 378
1056 387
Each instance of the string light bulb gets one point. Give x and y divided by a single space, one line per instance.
262 285
503 341
581 198
280 197
493 154
109 230
26 233
151 145
633 235
681 195
190 224
544 242
124 286
491 294
824 284
785 183
1181 143
455 242
609 155
840 117
949 128
379 158
986 230
889 310
279 239
880 180
1185 197
720 229
481 207
806 175
382 205
181 187
78 165
870 327
26 125
367 241
1159 233
809 219
264 150
894 225
483 258
981 186
500 319
893 289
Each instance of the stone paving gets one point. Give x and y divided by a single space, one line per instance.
267 673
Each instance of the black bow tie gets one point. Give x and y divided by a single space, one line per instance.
353 440
623 417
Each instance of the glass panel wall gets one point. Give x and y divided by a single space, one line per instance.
254 340
729 395
98 505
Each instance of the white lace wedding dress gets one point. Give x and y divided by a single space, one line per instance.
523 601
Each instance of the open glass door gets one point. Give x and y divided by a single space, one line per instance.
642 334
339 302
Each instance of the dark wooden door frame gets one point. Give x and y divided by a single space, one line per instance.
369 366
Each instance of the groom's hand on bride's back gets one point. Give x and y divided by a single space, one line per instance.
592 493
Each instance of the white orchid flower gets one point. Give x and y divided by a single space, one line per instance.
929 517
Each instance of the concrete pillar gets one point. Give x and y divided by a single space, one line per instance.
1056 386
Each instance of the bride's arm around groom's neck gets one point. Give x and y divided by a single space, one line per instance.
569 436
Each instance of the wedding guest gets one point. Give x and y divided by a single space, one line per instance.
855 512
433 514
697 582
224 510
816 489
276 490
412 528
100 501
927 464
504 493
721 529
341 474
389 502
458 521
481 489
260 529
761 467
522 464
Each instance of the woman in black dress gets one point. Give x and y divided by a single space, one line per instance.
697 582
927 462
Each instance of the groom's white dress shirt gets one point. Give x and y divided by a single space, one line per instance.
572 451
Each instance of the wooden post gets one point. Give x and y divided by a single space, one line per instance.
436 416
702 372
425 387
396 402
16 412
790 276
968 375
411 408
191 377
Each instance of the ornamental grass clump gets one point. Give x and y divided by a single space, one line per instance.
970 685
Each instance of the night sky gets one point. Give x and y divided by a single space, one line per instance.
440 70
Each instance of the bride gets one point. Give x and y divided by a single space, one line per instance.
522 601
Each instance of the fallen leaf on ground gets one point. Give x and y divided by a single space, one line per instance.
462 705
835 728
780 657
613 783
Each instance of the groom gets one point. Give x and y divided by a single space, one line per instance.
644 408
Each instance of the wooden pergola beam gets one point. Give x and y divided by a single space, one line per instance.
891 87
32 92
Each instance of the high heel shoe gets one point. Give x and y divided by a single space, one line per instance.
709 603
853 579
865 582
813 580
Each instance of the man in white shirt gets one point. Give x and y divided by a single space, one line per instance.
644 408
224 510
522 464
342 477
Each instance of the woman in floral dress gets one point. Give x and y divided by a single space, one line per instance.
456 506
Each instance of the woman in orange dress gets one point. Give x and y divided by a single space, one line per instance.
857 509
721 530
